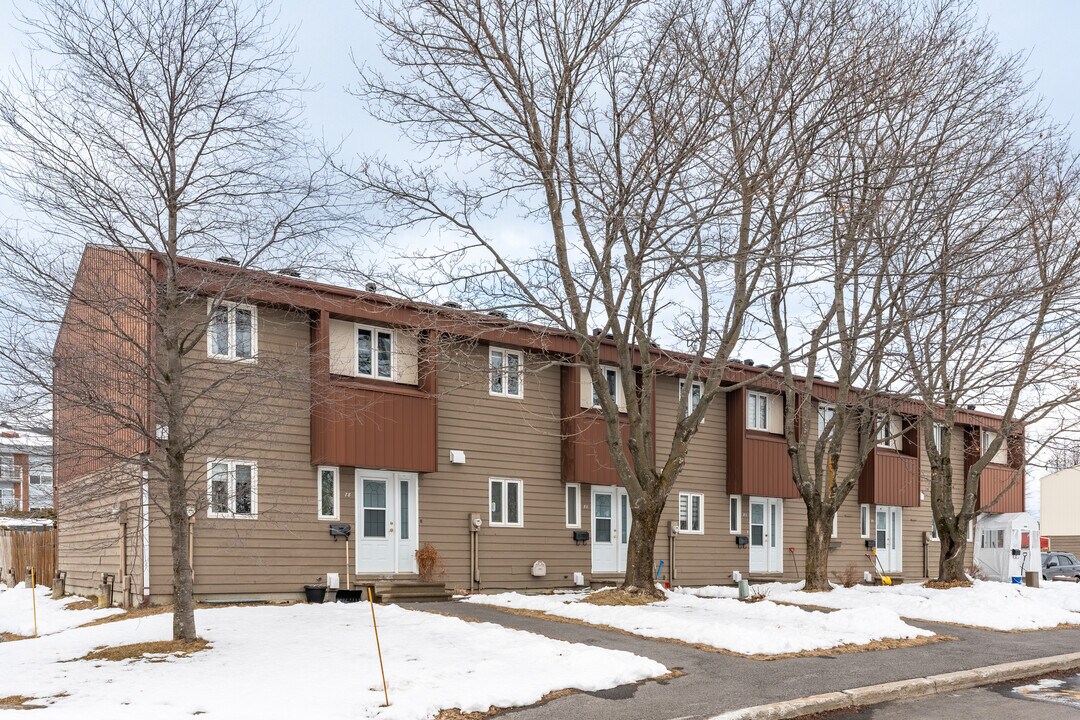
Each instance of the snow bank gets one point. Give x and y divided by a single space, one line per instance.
17 612
308 661
993 605
761 628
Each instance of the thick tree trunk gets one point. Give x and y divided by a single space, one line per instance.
183 583
640 550
818 535
953 549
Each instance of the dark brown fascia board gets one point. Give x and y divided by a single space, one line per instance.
308 295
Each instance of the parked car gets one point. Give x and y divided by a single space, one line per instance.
1058 564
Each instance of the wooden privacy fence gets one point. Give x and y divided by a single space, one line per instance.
20 549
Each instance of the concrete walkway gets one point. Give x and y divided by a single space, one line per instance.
715 682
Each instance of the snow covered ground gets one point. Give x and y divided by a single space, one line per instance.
993 605
307 661
17 611
761 628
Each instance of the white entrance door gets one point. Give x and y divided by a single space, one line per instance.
610 530
889 543
766 535
387 520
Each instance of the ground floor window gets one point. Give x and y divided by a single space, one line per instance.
691 508
734 514
864 521
232 489
573 505
506 500
329 485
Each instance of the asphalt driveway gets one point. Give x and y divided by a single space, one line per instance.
715 682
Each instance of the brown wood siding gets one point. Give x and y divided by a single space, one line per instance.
369 423
890 477
758 462
1001 487
586 457
101 365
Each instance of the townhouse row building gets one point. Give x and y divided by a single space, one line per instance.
417 424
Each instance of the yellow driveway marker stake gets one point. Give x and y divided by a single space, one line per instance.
371 603
33 598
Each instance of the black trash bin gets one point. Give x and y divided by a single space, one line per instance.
315 593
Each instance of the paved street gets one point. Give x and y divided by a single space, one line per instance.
716 682
998 702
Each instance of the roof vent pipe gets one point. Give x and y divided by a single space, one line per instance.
597 331
453 305
226 260
290 272
749 362
971 407
371 287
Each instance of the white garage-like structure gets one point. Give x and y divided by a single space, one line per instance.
1007 546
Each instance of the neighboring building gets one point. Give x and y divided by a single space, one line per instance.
409 437
1059 509
26 477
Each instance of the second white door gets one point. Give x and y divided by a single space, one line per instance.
766 535
611 529
387 526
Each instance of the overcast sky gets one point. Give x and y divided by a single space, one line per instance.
330 31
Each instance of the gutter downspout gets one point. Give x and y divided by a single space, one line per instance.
145 536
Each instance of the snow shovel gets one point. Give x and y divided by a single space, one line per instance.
885 579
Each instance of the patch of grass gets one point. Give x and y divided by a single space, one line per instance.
138 612
89 603
139 651
11 637
619 597
18 702
946 585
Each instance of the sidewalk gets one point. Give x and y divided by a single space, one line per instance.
716 683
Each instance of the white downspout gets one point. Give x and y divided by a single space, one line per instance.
145 535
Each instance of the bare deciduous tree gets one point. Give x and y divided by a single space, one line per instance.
162 129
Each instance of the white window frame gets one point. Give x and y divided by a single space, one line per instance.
337 492
375 331
824 408
761 411
231 514
505 372
939 436
988 436
971 531
885 427
864 521
691 404
231 308
735 513
933 530
576 487
835 525
605 371
689 498
506 482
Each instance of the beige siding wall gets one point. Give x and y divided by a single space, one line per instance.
508 438
91 536
1060 503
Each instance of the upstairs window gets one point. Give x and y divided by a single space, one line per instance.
506 368
939 436
374 353
1001 457
825 414
611 383
885 432
757 411
233 331
690 512
694 398
232 489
